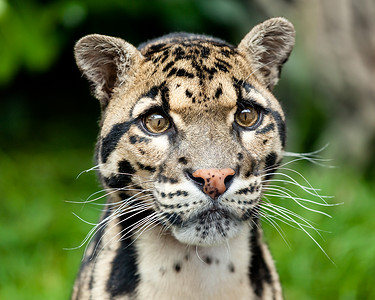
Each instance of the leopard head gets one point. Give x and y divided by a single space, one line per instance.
190 130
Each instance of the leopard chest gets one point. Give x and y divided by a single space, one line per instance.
171 270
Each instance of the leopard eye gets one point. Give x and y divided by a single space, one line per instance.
247 117
156 122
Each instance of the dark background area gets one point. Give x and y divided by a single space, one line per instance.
48 128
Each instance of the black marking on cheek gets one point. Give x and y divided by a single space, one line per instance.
117 181
147 168
270 160
258 270
270 164
122 178
280 125
240 156
110 141
124 167
138 139
265 129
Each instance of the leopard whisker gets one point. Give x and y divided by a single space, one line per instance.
94 168
284 195
298 184
301 227
133 212
268 219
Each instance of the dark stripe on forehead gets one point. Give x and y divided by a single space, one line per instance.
110 141
164 93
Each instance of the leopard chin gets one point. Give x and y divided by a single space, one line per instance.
210 227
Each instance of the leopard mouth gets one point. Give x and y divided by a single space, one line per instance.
211 226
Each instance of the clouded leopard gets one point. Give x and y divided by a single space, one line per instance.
189 136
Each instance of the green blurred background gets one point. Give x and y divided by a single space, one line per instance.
48 127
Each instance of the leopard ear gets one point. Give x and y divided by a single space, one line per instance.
267 46
107 62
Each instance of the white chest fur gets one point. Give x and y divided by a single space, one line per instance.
170 270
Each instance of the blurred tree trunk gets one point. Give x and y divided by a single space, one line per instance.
338 36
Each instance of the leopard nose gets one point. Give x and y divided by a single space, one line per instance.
214 182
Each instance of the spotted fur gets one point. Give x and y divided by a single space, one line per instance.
162 235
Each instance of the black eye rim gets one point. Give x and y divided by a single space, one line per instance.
142 121
258 108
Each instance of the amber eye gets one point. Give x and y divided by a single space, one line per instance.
247 117
156 122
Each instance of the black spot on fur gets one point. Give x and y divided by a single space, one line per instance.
218 92
183 160
188 94
147 168
125 167
177 267
245 191
208 260
240 156
231 268
166 179
258 270
110 141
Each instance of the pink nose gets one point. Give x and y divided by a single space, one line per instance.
214 180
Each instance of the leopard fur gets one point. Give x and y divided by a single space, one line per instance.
170 230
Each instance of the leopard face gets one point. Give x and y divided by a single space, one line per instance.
190 130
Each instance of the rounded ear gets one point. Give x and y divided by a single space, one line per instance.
107 62
268 46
